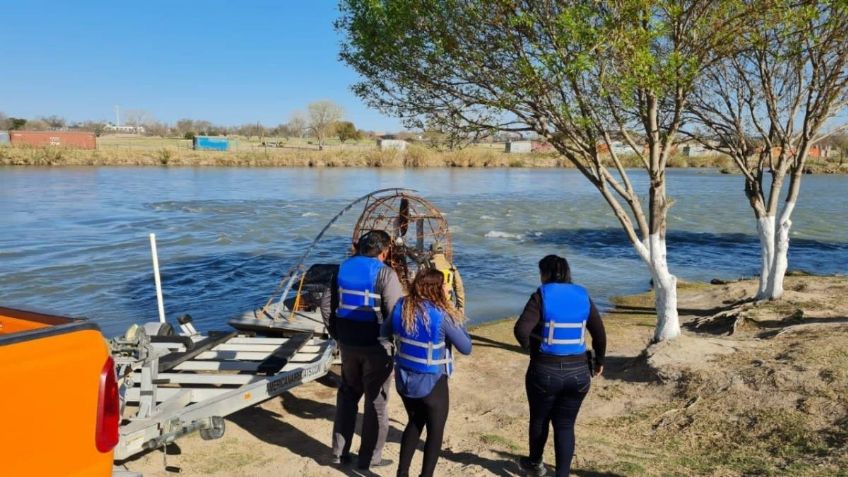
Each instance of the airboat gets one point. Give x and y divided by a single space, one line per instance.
174 382
414 225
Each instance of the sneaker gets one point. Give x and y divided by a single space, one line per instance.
536 469
342 459
382 463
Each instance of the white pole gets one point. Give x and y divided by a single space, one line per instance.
156 276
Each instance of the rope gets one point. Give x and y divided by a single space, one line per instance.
297 298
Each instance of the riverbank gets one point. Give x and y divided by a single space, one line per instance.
413 157
770 399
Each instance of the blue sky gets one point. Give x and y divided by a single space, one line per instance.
226 62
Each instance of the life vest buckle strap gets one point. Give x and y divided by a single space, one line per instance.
551 324
430 362
420 344
345 306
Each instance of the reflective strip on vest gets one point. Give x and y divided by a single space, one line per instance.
549 335
420 344
367 294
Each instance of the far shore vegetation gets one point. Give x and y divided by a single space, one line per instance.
136 150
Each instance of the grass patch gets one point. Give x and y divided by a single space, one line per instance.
227 458
500 441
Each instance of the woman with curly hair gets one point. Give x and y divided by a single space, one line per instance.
425 327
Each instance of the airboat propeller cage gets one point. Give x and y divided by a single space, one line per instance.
414 225
412 222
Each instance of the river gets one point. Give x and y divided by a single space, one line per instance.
74 240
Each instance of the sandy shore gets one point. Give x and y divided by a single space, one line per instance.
708 403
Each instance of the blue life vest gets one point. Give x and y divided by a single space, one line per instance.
357 281
565 310
421 351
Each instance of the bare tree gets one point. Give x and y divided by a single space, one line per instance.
282 130
4 121
323 116
185 126
571 72
137 118
203 127
767 106
297 124
54 122
37 125
253 129
156 128
97 127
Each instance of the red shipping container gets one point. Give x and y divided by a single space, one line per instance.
70 139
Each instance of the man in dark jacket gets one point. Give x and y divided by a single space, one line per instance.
361 296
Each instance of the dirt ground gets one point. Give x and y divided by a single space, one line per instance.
769 399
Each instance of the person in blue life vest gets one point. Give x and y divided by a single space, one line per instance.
426 327
362 295
552 327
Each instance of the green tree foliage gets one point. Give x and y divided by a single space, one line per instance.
572 72
347 131
17 123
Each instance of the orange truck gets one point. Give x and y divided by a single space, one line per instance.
59 403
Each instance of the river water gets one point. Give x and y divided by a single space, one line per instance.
75 241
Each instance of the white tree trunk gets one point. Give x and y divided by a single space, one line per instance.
774 239
665 289
781 260
765 229
781 253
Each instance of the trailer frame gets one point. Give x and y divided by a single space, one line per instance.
179 384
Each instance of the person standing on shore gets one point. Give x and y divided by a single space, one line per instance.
426 327
361 295
552 327
440 262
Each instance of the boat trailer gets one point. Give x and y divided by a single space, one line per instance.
175 384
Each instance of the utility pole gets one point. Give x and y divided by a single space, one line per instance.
117 116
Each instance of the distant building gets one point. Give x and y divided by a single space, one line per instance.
518 147
396 144
618 147
693 149
208 143
542 146
67 139
124 129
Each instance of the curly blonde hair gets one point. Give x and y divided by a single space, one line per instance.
428 286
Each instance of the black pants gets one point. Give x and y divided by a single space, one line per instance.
431 412
555 393
364 371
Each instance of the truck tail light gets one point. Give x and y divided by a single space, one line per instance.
108 416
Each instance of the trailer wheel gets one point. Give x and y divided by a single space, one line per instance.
216 429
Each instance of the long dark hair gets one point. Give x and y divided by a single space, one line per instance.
554 269
427 286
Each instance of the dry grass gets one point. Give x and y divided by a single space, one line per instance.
130 150
352 156
776 405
